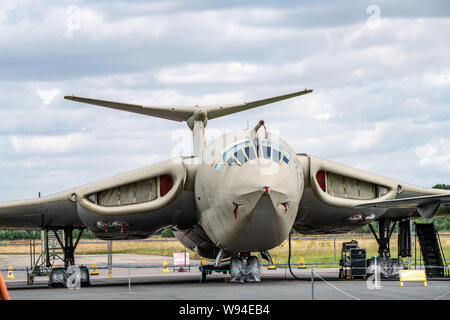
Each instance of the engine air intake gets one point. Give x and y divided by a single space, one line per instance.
133 193
347 187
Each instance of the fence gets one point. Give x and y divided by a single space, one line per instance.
131 259
308 250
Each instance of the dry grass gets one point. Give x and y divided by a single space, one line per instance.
311 250
323 250
166 247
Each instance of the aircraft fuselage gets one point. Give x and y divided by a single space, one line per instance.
247 191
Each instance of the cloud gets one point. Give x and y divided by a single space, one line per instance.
47 96
380 99
43 144
435 154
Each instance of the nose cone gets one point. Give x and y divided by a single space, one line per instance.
256 209
261 230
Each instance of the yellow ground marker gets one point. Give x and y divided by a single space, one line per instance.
94 271
109 274
165 269
272 266
302 263
10 273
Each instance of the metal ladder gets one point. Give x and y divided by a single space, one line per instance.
430 249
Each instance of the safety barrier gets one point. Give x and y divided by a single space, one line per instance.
314 268
311 274
195 266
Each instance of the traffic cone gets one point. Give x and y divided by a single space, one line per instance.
302 263
4 295
10 273
165 269
94 271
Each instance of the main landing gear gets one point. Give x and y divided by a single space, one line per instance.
389 267
45 265
385 228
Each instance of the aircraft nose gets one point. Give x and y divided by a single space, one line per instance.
263 209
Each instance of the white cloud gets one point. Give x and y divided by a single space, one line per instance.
435 154
441 78
47 96
46 144
367 139
380 95
203 73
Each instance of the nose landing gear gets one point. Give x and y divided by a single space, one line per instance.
242 267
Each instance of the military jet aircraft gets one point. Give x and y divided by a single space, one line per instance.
241 194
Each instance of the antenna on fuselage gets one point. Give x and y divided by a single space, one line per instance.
261 123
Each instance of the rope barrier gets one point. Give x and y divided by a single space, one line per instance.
347 294
155 266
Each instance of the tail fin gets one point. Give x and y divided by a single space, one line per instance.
184 113
195 117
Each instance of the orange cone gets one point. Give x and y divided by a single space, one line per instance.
4 295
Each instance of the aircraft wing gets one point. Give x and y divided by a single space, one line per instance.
141 201
427 206
339 198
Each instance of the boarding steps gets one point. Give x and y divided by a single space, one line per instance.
431 250
54 248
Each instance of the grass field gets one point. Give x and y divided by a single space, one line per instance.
311 250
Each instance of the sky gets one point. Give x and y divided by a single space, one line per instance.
379 70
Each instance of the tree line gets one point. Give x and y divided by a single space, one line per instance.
441 224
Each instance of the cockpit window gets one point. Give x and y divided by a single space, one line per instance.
276 155
275 151
240 153
250 153
256 140
243 151
266 151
